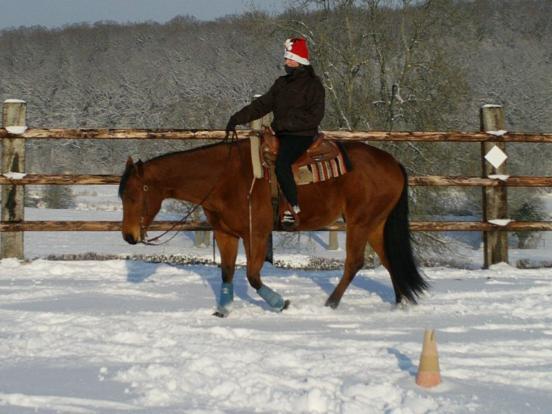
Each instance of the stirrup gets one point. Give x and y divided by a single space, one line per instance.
288 219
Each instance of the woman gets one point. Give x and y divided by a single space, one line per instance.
297 102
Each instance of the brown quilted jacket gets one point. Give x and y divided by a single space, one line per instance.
297 102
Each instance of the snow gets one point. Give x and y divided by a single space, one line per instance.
500 222
119 336
16 130
502 177
14 175
498 133
14 101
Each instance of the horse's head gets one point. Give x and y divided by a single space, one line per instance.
141 201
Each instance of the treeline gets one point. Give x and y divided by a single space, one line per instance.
405 65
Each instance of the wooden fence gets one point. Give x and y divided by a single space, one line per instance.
493 179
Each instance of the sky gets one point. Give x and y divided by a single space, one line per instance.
55 13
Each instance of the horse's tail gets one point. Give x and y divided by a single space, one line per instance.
407 279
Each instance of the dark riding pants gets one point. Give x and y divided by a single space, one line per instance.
291 148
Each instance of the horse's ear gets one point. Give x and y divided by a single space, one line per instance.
140 168
129 163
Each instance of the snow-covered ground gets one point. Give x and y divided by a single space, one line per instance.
129 336
125 336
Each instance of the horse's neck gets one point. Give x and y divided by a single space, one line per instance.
190 175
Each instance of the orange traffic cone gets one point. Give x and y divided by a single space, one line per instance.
428 369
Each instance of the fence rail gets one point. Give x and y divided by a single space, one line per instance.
204 226
425 181
180 134
493 180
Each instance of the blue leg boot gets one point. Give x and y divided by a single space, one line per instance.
226 299
275 300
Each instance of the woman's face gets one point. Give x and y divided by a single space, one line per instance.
291 63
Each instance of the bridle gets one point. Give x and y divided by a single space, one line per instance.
143 229
229 138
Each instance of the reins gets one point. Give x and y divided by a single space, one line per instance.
229 138
143 231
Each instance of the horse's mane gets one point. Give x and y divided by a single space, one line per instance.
129 169
196 149
124 180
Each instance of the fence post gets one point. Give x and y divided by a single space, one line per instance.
333 243
13 160
495 199
202 238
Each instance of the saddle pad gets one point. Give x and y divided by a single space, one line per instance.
320 171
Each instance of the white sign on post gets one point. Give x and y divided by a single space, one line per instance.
496 157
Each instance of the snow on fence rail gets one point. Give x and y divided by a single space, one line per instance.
494 179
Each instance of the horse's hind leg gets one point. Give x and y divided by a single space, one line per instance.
357 236
228 247
375 238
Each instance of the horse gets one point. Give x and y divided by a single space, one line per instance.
372 198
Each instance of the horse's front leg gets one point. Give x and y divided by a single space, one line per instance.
256 253
228 247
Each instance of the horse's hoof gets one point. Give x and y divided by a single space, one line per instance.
400 306
221 312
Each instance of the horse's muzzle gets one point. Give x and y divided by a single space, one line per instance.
129 238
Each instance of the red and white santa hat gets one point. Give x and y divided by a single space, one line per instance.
296 49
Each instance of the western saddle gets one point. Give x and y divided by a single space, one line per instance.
319 151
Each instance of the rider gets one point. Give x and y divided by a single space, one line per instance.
297 102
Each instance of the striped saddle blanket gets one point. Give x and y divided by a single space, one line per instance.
320 170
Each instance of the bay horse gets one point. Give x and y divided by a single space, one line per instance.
372 198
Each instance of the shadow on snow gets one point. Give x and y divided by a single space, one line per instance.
140 271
